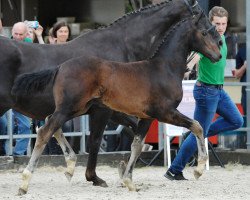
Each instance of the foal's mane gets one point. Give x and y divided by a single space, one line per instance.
167 36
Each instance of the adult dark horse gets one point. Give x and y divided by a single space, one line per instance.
131 38
149 89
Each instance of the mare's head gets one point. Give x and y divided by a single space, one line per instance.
180 9
205 39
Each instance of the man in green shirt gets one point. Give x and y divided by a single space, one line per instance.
210 98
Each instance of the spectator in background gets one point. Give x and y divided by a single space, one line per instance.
51 39
21 122
61 32
20 32
240 73
35 34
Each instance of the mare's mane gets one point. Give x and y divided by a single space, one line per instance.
135 12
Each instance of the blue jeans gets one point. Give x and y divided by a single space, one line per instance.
3 131
23 127
3 125
208 101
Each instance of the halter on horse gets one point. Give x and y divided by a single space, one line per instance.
153 87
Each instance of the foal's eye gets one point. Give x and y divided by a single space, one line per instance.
204 33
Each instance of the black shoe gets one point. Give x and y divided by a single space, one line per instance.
171 176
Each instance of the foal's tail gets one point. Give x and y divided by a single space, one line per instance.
30 83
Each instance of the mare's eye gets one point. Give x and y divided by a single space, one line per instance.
204 33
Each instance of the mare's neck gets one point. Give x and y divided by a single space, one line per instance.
140 32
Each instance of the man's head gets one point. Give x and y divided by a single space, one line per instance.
219 17
19 31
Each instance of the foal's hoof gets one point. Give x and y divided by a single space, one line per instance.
68 176
197 174
21 192
129 184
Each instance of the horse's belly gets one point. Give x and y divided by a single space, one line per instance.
36 107
127 106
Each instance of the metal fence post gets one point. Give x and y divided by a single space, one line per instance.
10 133
84 126
248 70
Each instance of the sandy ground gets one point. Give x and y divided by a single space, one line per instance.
47 183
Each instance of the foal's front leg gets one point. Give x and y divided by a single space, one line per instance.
136 148
178 119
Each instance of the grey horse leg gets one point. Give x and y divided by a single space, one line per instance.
68 152
43 136
136 149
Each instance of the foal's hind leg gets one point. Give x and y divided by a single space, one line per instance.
69 154
43 136
136 149
178 119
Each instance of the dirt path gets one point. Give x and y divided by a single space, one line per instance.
50 183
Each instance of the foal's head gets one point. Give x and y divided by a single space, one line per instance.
205 38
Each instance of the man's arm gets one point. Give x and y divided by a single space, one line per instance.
38 32
190 65
194 61
239 72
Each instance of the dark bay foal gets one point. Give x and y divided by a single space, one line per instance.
149 89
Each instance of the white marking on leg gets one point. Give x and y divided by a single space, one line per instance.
26 176
70 166
202 153
136 148
70 157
